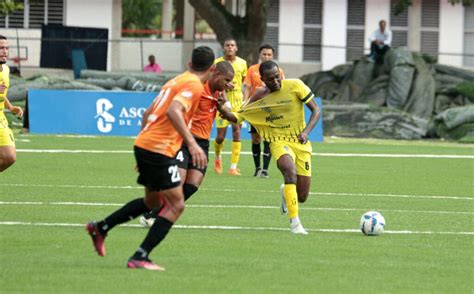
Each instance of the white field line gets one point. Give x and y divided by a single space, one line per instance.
223 206
467 198
451 156
239 228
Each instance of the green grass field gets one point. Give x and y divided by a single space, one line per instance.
232 238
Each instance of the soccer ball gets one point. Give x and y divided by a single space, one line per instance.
372 223
146 221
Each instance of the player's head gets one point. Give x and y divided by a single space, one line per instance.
202 59
221 76
230 47
270 75
3 49
382 25
265 52
152 59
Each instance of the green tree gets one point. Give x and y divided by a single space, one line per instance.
8 6
141 14
248 31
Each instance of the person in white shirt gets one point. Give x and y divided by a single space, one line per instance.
380 42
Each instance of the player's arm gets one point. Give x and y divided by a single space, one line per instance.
247 91
225 112
175 115
145 116
313 120
14 109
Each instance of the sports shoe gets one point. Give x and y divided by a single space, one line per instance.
145 264
283 207
97 237
264 174
258 171
218 166
298 229
234 172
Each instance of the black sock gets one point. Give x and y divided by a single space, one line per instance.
267 156
128 212
189 190
256 155
156 234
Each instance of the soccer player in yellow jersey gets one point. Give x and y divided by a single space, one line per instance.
277 113
7 143
253 82
235 97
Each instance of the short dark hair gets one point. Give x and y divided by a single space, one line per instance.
224 67
202 58
266 46
267 65
2 37
229 39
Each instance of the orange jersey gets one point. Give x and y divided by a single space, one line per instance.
253 78
159 135
205 114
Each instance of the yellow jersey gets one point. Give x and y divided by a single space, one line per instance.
235 96
279 116
4 79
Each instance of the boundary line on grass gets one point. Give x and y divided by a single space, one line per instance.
467 198
235 206
240 228
382 155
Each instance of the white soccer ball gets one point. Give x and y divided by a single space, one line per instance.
372 223
146 222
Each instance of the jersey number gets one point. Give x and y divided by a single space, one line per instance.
173 170
180 156
157 103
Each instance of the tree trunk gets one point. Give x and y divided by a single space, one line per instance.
248 31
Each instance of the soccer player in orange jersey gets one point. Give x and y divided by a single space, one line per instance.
164 128
253 82
191 175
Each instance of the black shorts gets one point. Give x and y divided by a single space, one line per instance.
156 171
185 160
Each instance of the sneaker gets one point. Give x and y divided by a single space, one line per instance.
257 173
145 264
218 166
234 172
97 237
283 207
264 174
298 229
147 219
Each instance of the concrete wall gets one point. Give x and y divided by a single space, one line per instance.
291 31
334 33
375 11
451 33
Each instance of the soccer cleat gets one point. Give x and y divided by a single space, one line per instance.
298 229
218 166
258 172
97 237
234 172
145 264
264 174
283 207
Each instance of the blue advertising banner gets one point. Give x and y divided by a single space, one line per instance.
103 113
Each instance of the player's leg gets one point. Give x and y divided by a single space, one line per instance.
303 184
267 156
256 150
7 149
303 170
236 147
221 125
174 207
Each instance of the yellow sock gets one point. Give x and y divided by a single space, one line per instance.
291 199
235 154
218 148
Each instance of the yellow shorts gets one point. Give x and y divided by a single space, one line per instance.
301 154
6 137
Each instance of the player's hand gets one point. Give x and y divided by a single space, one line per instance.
303 138
2 88
17 110
198 155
